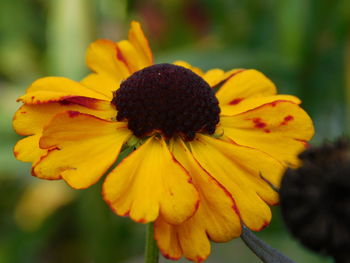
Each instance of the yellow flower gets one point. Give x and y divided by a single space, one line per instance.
204 162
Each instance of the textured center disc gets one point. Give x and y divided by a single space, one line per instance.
168 99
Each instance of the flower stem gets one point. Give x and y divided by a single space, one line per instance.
151 250
263 251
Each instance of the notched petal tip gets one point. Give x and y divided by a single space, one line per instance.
165 183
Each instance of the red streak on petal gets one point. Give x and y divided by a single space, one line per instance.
126 214
168 256
235 208
289 118
256 120
229 77
121 58
73 114
273 104
275 204
305 143
199 259
266 223
83 101
236 101
42 158
120 55
260 125
142 221
267 130
197 205
23 112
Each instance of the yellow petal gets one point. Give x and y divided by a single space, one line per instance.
184 64
239 170
138 39
150 182
28 150
167 240
240 105
187 239
213 77
31 118
245 84
96 107
280 129
216 217
53 89
84 148
129 54
216 76
102 58
102 83
216 214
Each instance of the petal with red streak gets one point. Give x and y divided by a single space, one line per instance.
82 148
280 129
245 84
241 171
53 89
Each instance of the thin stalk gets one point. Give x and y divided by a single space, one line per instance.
263 251
151 250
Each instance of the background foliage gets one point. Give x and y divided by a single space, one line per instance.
302 45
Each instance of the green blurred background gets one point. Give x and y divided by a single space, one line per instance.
302 45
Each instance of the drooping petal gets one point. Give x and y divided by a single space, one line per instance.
82 148
102 58
240 170
28 150
245 84
149 183
280 129
216 217
53 89
187 239
167 239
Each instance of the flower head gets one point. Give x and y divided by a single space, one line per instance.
203 163
315 199
168 99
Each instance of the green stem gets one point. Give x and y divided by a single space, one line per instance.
151 251
263 251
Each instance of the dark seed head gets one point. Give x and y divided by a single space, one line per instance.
168 99
315 199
